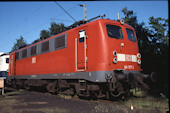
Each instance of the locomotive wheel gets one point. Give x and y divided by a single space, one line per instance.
52 87
13 84
26 85
117 90
126 87
93 95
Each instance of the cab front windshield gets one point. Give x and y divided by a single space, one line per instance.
116 32
131 35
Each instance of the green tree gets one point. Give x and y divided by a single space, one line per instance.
37 40
130 17
53 30
20 43
44 34
158 58
158 34
56 28
152 39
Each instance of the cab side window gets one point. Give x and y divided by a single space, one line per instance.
81 35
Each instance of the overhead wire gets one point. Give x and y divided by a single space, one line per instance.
49 20
65 11
26 33
61 20
38 26
14 28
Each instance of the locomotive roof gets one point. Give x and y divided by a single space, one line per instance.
98 20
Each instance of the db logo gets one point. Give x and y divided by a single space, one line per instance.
33 60
128 58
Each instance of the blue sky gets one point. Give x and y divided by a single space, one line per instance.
27 19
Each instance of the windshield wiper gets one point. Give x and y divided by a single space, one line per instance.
112 35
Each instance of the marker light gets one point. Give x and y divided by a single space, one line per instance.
114 53
122 21
139 61
139 55
115 60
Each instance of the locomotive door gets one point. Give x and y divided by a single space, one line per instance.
81 50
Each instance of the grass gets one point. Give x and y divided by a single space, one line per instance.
149 103
9 100
8 95
6 102
138 93
65 96
54 110
12 93
101 108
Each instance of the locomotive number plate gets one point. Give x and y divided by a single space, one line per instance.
128 67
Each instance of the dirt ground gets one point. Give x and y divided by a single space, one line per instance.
21 101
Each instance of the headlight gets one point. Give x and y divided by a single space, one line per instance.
139 61
122 21
139 55
115 60
114 53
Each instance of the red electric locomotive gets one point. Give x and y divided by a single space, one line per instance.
98 58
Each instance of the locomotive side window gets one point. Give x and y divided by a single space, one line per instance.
131 35
16 55
33 50
45 46
24 53
60 42
114 31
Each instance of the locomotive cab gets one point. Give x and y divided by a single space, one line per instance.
124 59
123 46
